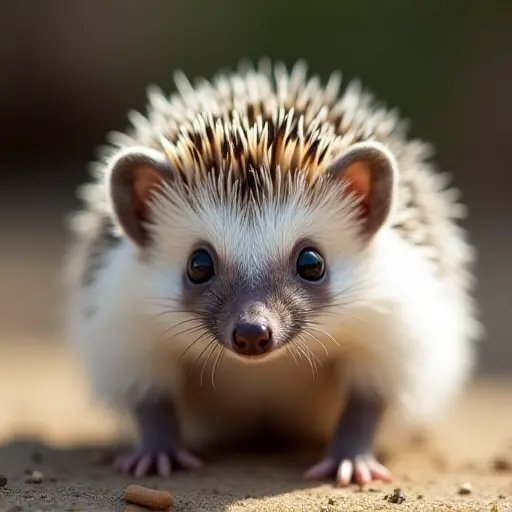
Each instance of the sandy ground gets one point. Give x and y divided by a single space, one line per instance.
48 424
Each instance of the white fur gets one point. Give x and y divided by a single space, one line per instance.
403 330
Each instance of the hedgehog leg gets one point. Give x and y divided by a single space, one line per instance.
160 449
350 456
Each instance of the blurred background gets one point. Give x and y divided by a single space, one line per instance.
70 71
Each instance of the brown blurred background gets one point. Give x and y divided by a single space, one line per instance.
70 71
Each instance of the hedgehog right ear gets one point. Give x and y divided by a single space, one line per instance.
134 175
369 171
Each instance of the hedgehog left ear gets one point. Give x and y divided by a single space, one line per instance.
369 171
134 175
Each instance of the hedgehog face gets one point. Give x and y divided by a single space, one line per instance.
254 274
255 298
252 263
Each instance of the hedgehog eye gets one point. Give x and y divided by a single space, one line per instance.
310 265
200 267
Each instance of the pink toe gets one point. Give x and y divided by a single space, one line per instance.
380 472
321 470
362 473
187 460
127 463
142 467
163 465
345 472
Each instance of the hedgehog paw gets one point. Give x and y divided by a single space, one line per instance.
361 470
141 463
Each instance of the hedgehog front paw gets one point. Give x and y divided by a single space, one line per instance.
350 455
160 450
361 470
161 463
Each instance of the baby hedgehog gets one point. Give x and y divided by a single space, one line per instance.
263 256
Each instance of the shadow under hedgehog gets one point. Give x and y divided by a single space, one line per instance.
265 254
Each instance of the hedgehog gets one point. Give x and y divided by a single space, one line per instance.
264 255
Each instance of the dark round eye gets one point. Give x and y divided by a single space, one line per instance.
200 267
310 265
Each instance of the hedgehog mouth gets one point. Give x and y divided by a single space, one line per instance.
257 357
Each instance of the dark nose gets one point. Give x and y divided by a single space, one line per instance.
251 339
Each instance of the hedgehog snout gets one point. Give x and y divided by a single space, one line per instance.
252 338
251 331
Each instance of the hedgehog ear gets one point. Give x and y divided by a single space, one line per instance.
369 171
134 175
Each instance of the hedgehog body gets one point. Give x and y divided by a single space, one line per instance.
242 169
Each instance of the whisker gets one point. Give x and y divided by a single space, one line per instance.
324 332
300 349
205 310
215 347
321 311
197 340
333 304
190 330
299 353
313 356
201 354
216 364
177 325
305 354
170 312
316 339
290 351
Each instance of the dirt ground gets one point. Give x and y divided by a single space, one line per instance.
48 424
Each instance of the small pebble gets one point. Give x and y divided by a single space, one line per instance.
502 496
331 501
36 477
465 488
420 496
3 480
397 496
